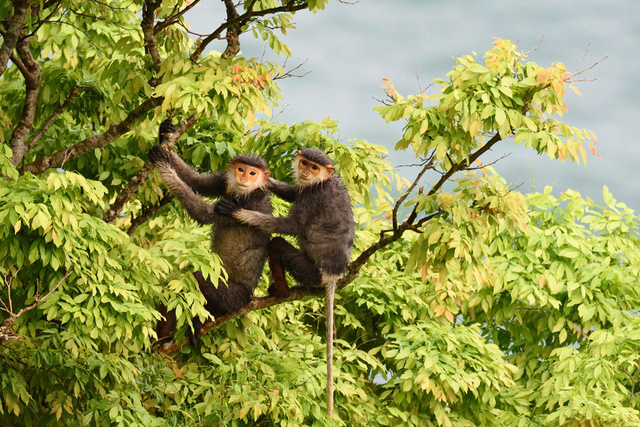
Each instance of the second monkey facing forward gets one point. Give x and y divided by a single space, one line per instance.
321 218
241 248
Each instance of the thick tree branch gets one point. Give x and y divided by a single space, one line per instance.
150 42
95 141
12 30
140 178
31 72
233 31
296 293
241 20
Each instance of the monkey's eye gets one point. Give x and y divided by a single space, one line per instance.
304 163
315 167
253 173
240 169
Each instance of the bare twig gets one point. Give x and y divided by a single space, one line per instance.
289 73
73 93
577 73
6 329
425 167
536 46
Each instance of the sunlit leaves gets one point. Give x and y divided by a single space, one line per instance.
506 96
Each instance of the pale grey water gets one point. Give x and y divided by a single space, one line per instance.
350 48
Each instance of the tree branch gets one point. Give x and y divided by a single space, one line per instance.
172 19
464 163
428 165
242 20
13 31
6 330
140 178
233 31
296 293
147 212
95 141
73 93
31 72
150 42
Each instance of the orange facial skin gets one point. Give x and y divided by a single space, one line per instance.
309 173
245 179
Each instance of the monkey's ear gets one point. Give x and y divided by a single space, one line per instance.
267 174
299 152
331 169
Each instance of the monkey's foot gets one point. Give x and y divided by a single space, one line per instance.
278 291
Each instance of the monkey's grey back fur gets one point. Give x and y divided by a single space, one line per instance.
325 217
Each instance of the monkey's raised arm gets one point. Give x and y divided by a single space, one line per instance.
266 222
283 190
211 184
194 204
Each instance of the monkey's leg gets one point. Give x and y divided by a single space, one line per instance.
279 287
223 299
301 267
166 326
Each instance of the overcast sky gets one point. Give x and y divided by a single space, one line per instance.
348 49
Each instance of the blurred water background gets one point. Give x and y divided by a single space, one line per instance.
348 49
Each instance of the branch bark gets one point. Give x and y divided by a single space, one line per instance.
31 72
115 131
13 31
148 30
296 293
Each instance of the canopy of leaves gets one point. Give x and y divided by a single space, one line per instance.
466 302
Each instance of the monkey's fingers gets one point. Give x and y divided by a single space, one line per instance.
226 207
157 155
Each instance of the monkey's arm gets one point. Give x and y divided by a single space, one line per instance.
266 222
195 205
212 184
283 190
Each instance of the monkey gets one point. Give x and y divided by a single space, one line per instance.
321 217
241 248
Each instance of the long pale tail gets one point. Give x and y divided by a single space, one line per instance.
330 290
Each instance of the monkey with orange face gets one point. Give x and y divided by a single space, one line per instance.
241 248
321 218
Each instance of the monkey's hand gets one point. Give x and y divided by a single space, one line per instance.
165 127
227 207
158 155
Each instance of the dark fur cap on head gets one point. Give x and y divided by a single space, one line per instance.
316 156
251 160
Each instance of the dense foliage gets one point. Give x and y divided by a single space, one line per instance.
466 302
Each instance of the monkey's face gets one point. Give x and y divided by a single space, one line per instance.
246 178
310 173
